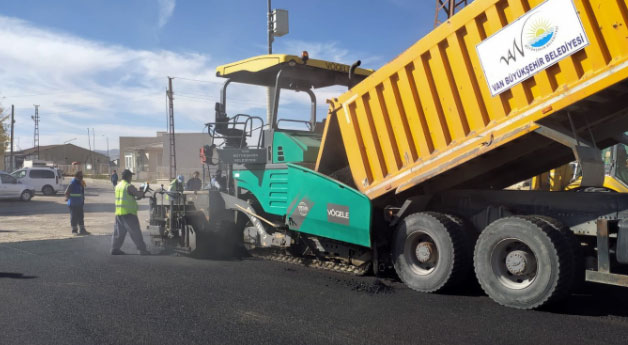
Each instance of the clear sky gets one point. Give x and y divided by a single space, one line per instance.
103 64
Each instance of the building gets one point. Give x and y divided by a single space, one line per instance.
149 157
67 157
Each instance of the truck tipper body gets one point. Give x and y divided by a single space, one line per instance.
428 119
407 171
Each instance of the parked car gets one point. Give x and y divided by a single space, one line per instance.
42 179
10 187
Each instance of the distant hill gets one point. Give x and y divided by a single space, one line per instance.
113 153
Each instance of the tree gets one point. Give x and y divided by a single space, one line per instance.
3 136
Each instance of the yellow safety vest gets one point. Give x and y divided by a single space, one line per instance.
125 202
175 186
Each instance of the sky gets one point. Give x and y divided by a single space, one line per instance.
103 64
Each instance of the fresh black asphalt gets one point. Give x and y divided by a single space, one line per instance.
73 292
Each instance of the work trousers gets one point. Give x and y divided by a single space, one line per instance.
77 217
127 223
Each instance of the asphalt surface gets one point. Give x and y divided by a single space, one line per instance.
71 291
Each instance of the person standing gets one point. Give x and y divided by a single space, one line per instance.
114 179
75 196
126 216
194 183
218 181
176 185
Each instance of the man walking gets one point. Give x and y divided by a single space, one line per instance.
114 179
126 216
75 196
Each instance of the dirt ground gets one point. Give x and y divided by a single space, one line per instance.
48 217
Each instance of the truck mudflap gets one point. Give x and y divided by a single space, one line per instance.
603 273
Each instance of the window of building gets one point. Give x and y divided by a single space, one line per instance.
128 161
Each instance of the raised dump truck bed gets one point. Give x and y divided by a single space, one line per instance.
429 119
505 90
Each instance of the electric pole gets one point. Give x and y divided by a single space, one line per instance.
12 131
89 144
94 150
269 90
173 157
449 8
36 134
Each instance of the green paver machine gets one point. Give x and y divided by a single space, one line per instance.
270 189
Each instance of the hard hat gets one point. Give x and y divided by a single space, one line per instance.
180 178
126 174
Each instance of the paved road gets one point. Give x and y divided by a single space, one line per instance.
71 291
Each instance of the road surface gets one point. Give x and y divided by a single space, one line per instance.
71 291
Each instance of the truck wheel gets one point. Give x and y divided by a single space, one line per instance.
26 195
524 262
431 252
48 190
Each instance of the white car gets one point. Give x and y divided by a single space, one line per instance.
42 179
11 188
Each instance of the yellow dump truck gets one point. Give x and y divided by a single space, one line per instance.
408 170
501 92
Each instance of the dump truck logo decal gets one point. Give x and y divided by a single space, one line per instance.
531 44
539 33
337 214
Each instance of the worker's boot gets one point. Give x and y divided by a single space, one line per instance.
84 232
74 230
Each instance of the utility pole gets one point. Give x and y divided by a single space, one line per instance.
89 144
277 27
449 8
108 157
36 134
173 156
12 131
94 151
269 90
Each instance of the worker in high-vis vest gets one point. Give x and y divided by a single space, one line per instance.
126 216
75 196
176 185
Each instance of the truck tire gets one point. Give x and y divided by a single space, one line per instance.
524 262
576 247
431 252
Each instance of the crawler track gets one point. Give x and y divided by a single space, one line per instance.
276 255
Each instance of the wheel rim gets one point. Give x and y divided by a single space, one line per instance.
514 263
421 253
26 196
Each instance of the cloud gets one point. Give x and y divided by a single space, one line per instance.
81 83
166 8
120 91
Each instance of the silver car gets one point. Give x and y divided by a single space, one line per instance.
11 188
